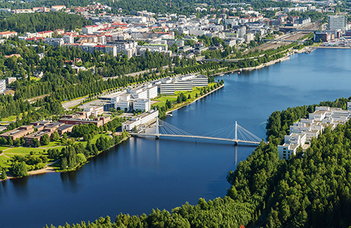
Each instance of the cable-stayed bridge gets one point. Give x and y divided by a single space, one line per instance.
237 134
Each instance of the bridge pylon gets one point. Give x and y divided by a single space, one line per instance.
236 130
157 130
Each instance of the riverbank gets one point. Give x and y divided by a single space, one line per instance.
333 47
253 68
188 103
49 169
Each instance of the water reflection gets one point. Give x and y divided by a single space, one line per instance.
20 187
69 181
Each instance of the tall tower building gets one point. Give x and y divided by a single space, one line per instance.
336 22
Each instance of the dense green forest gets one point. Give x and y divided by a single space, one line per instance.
37 22
312 189
129 6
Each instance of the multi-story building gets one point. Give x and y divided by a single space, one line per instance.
29 139
54 41
110 49
151 92
139 120
74 121
90 29
2 85
185 83
336 22
18 132
321 36
142 105
302 132
68 39
9 81
127 47
8 34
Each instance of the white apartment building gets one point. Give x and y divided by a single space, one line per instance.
90 29
127 47
68 39
302 132
8 34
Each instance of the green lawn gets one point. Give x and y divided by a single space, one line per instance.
9 119
173 98
34 78
4 161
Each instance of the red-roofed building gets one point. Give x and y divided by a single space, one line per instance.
8 34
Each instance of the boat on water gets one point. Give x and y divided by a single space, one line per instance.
221 75
169 114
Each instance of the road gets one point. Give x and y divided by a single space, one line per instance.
69 104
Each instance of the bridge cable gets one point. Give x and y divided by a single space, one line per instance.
217 132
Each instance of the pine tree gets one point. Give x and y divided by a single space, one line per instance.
3 175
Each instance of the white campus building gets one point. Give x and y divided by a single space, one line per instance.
302 132
142 105
140 120
132 99
183 83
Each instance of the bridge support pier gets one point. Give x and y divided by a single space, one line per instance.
157 137
235 143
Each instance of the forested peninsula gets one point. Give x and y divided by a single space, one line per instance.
312 189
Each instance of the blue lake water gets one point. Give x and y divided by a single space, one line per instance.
142 174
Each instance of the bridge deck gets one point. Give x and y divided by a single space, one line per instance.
195 137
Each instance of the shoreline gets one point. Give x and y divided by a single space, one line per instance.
49 169
253 68
186 104
332 47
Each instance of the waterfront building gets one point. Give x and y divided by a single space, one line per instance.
137 121
302 132
184 83
336 22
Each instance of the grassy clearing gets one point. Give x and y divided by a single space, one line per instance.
34 78
11 118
